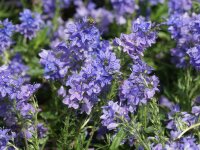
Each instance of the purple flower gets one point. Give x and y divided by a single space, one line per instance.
84 67
5 136
110 62
6 31
30 23
124 6
157 147
55 62
179 27
184 143
195 27
194 54
179 57
101 16
140 25
156 2
26 110
8 83
179 6
17 67
15 94
95 74
140 39
49 7
86 85
112 113
83 35
11 85
179 121
163 101
42 131
139 87
196 110
185 29
26 91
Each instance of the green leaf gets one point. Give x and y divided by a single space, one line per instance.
149 129
117 140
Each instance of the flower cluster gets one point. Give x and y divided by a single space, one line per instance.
113 114
141 38
140 85
6 31
15 108
102 16
184 28
31 23
156 2
84 39
83 35
184 143
49 7
179 121
5 137
194 54
122 8
93 77
86 65
54 63
180 6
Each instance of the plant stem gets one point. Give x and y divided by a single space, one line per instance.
25 140
191 127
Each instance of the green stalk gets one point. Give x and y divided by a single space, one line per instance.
186 130
25 140
11 145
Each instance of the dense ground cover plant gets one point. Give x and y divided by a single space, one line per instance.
109 74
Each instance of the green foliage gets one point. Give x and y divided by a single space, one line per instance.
117 140
185 88
5 7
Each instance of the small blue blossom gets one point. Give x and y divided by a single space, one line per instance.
49 7
6 31
112 113
31 23
124 6
179 57
102 17
156 2
179 6
86 85
5 136
83 35
42 130
184 143
139 87
179 121
140 39
194 54
185 29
